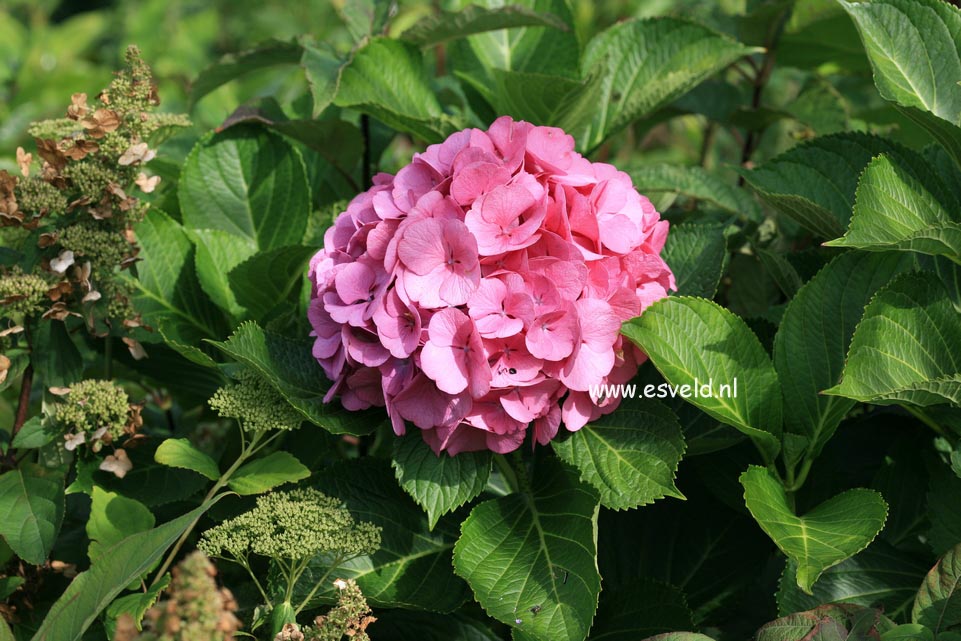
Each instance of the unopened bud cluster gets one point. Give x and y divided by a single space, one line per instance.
256 404
95 413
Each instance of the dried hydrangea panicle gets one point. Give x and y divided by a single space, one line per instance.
255 404
196 608
95 413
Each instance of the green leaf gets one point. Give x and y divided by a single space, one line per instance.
268 279
914 51
387 79
947 134
693 342
814 335
646 64
410 625
540 98
5 633
234 65
179 452
446 25
35 433
248 182
535 549
92 591
168 293
827 623
112 519
781 271
814 183
905 348
833 531
32 502
534 49
697 255
217 253
908 632
322 68
679 636
895 211
260 475
938 604
439 484
630 455
9 585
412 568
288 365
880 576
55 356
696 183
136 605
643 608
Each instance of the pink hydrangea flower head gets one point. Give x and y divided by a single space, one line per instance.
478 294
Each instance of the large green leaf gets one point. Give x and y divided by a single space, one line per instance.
241 191
915 51
530 557
814 335
411 625
646 64
815 183
895 211
679 636
269 278
288 365
694 342
644 607
262 474
697 255
833 531
168 293
92 591
533 49
179 452
387 80
446 25
412 568
112 519
938 604
32 504
249 183
629 455
844 622
439 483
905 348
234 65
322 67
880 576
695 182
55 356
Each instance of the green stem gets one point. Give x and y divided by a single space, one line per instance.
507 472
323 579
793 483
245 454
927 420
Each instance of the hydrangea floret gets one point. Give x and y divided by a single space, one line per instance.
480 291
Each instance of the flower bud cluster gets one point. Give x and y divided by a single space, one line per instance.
255 404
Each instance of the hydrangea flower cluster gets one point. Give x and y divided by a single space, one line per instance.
481 290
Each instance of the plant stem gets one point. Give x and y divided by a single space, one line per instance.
250 449
507 472
23 404
310 595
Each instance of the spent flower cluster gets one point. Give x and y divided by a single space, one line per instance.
481 290
196 608
349 618
75 204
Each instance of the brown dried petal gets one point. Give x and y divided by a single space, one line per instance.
147 185
78 148
101 122
138 153
136 349
23 160
47 239
50 151
78 106
4 367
